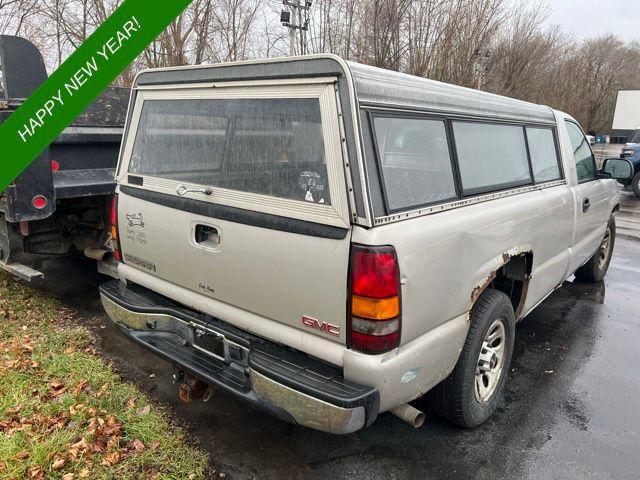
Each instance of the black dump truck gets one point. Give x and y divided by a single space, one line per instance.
60 204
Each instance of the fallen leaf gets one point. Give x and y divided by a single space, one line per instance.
84 473
12 411
80 386
137 445
113 443
154 444
22 455
57 464
81 444
144 410
98 446
111 430
57 389
111 459
68 476
36 472
132 402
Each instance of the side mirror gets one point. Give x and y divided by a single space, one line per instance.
618 168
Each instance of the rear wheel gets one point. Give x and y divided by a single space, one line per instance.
470 395
635 184
596 268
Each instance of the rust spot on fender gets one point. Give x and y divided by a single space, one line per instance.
477 291
523 296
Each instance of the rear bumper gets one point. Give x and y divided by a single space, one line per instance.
286 383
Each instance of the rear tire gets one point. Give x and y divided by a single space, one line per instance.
635 184
473 391
596 268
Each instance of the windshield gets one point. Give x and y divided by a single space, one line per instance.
267 146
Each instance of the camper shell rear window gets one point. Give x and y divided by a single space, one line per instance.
272 147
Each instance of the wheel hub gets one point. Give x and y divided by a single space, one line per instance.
605 246
490 361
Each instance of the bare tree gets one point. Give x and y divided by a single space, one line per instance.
233 28
503 46
525 52
14 13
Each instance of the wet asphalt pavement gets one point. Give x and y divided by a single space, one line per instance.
571 406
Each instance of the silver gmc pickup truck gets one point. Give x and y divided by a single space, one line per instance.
329 241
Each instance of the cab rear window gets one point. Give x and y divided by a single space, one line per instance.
273 147
544 156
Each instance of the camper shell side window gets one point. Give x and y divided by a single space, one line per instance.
414 160
425 160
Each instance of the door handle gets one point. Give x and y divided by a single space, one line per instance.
586 205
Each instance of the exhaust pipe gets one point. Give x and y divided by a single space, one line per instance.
409 414
98 254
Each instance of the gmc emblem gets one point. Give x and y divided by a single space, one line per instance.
323 327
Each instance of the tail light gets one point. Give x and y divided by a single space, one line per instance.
113 220
374 302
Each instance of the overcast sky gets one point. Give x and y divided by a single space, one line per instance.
590 18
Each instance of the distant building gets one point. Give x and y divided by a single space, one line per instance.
626 118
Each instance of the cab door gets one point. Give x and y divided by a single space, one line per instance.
590 195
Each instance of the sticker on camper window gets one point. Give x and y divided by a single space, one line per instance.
314 186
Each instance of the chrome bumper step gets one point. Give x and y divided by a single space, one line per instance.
286 383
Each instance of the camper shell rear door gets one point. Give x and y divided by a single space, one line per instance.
237 191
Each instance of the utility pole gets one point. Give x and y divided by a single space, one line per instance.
296 19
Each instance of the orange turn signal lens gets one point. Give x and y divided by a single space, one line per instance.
375 308
114 233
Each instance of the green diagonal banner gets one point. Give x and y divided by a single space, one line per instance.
79 81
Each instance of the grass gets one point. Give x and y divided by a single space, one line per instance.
65 414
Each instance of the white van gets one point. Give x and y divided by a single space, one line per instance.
329 241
